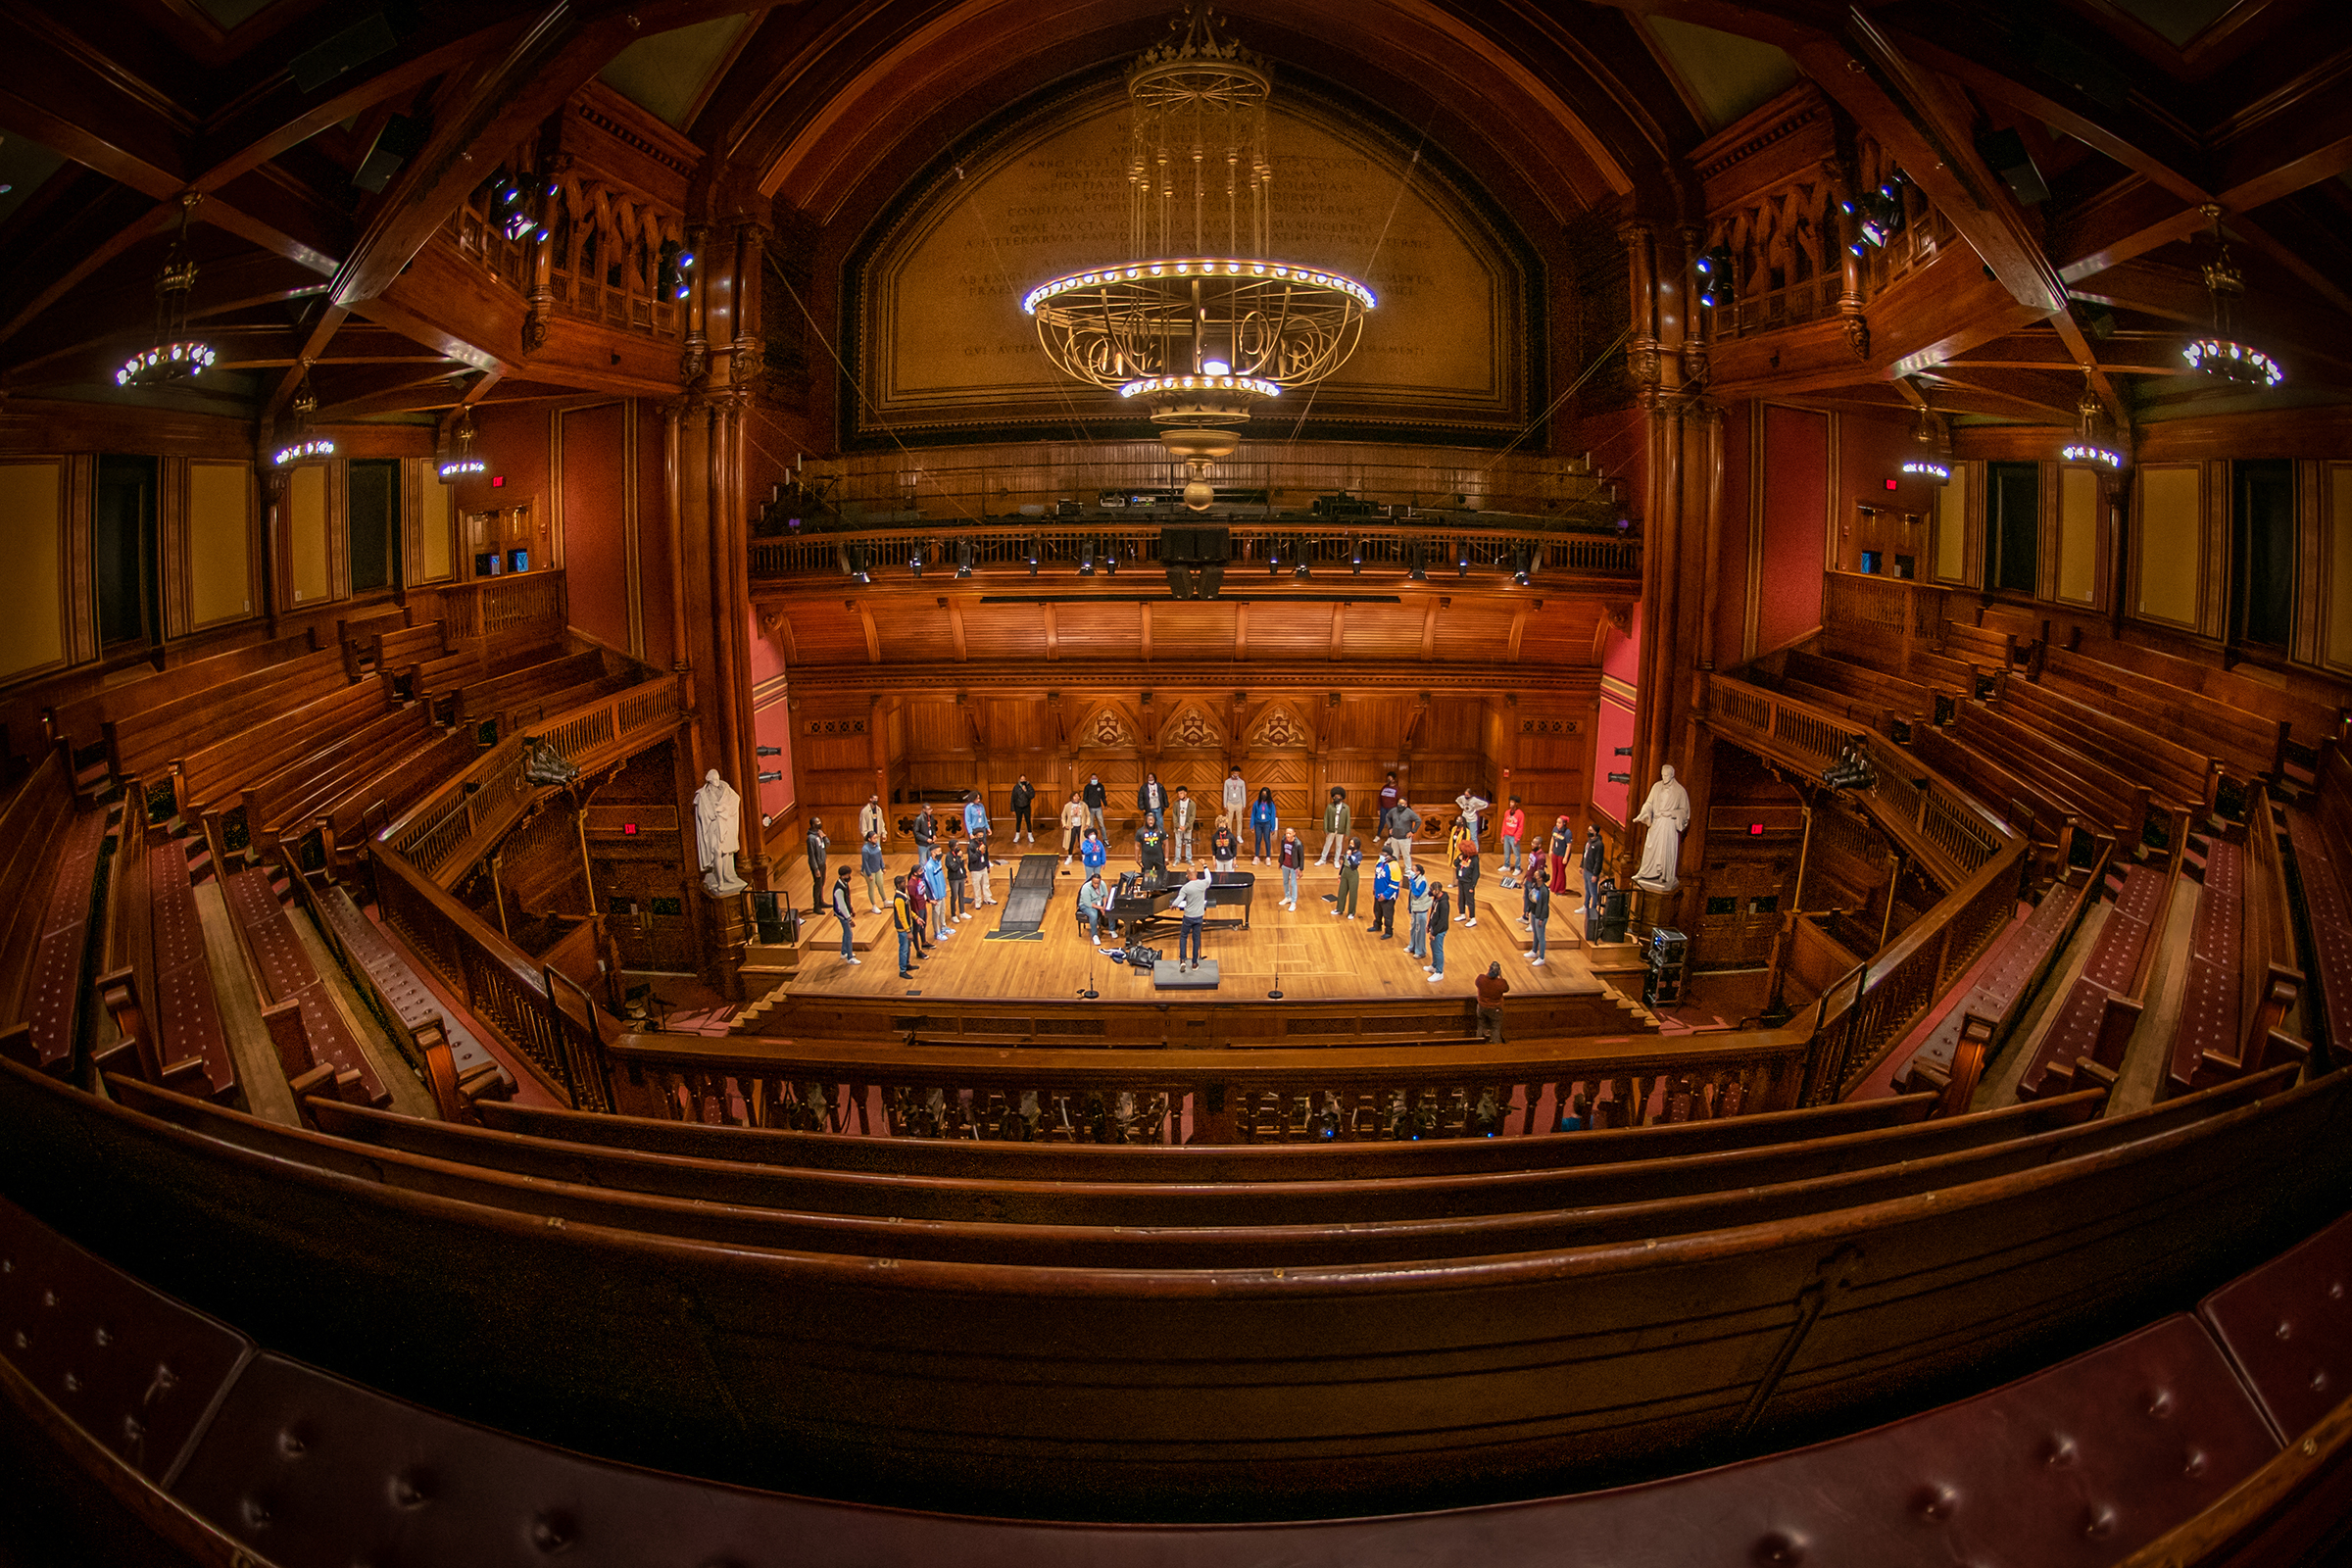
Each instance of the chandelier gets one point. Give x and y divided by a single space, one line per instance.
173 355
462 464
2090 444
307 445
1199 321
2222 356
1929 463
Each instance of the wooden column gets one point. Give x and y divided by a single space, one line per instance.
1680 501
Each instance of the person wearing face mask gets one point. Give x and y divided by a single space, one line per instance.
1024 797
1095 797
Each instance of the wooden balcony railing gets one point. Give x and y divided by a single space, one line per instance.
449 830
1940 824
1376 545
1967 849
506 607
1897 606
539 1015
1340 1094
561 1033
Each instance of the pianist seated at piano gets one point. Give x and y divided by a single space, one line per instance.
1146 900
1094 905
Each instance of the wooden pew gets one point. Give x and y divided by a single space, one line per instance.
2243 974
82 723
162 998
500 695
2246 744
53 874
2311 721
2174 773
1188 1204
1981 646
1908 700
422 664
282 973
2322 837
1197 1164
2094 1023
410 1012
2022 804
146 743
2102 797
204 781
403 781
284 804
1926 1286
2267 974
356 637
1977 1028
1341 1225
1909 658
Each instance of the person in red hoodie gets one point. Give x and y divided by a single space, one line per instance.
918 901
1513 824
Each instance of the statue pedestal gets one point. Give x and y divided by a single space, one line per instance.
1652 909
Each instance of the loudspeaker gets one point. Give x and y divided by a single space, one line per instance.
1616 906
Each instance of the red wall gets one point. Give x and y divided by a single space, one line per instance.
652 542
1797 497
595 482
513 441
1620 659
1871 452
1731 578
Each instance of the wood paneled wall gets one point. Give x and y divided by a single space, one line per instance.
1298 742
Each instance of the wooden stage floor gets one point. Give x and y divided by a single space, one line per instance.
1319 957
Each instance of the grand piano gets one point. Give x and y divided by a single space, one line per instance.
1142 903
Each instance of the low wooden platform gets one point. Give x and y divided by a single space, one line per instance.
1310 955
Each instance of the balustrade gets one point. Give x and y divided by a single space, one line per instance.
1337 548
1343 1094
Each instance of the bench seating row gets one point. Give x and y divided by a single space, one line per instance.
359 1485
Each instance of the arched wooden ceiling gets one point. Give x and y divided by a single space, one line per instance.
1556 107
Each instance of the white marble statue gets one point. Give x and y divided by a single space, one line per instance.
719 835
1667 813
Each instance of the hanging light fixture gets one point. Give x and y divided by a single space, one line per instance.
1929 462
1200 334
2223 356
463 462
175 355
306 445
2091 444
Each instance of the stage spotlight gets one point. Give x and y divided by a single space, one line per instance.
1356 557
1086 558
1714 270
1415 569
1031 558
1462 558
914 561
1299 570
964 558
1522 565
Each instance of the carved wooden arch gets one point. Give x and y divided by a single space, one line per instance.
1191 727
1279 726
1107 726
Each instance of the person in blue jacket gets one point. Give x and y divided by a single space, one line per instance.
1262 826
1384 898
975 815
1094 851
935 882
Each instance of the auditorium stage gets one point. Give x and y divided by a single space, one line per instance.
1316 957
